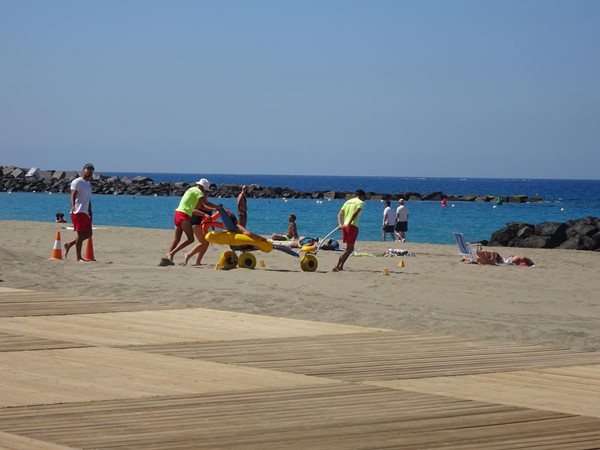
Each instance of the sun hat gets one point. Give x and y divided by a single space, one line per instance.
204 183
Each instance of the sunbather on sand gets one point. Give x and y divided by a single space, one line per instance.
493 258
518 260
290 234
300 242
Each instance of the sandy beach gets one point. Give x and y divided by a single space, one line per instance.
555 303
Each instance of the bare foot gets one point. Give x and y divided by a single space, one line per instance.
336 269
67 248
186 258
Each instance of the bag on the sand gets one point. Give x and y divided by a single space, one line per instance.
331 244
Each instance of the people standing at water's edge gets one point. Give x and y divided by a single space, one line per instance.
81 210
348 223
401 221
193 199
290 234
242 206
388 221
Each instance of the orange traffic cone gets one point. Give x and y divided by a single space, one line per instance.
57 250
401 263
89 251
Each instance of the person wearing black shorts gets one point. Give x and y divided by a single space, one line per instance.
401 221
388 222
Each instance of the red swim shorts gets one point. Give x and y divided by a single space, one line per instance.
180 217
349 234
81 222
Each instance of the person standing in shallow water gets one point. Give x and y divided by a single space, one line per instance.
401 221
388 221
242 206
81 210
348 223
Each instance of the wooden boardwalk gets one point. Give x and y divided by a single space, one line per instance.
77 372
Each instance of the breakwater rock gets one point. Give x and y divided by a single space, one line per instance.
578 234
15 179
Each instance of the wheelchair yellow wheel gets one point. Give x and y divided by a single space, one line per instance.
309 263
228 260
247 261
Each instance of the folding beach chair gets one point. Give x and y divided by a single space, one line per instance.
466 247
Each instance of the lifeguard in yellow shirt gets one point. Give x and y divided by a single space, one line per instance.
348 223
193 199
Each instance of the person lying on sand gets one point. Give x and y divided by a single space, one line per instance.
493 258
290 234
297 243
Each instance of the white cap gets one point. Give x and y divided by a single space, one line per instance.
204 183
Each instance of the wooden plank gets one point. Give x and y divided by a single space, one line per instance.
13 442
18 303
572 390
7 289
377 356
87 374
337 416
196 378
165 326
14 343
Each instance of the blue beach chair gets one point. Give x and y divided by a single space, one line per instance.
466 248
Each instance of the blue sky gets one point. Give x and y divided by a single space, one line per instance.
379 88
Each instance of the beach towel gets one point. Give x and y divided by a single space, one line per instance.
398 252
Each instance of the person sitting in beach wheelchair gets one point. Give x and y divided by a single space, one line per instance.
242 240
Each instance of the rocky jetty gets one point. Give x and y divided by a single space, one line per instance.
15 179
579 234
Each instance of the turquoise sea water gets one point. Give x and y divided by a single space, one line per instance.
428 223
